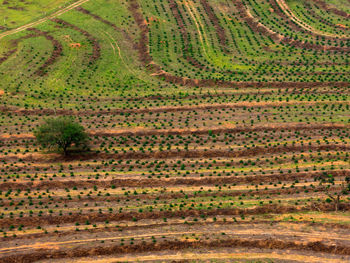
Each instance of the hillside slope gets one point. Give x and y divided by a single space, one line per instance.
210 123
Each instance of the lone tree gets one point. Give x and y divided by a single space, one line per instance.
61 133
335 196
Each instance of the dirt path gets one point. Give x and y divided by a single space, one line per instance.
189 5
54 245
220 31
42 20
285 8
113 41
178 245
196 255
234 231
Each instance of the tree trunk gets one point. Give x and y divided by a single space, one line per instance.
337 201
65 150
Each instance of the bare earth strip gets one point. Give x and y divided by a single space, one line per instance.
225 255
42 20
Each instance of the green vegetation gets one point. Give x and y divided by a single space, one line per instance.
61 133
15 13
213 127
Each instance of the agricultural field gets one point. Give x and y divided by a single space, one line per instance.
211 124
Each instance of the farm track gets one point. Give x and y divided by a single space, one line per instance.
220 31
285 8
219 254
187 49
178 245
276 5
42 20
177 222
199 26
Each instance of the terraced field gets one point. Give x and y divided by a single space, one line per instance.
210 123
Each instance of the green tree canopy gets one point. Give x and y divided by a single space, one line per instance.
61 133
